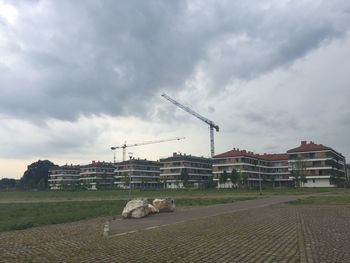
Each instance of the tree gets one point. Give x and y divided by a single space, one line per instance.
223 178
235 177
336 179
244 180
210 184
184 177
127 180
41 184
8 183
299 173
264 180
273 179
35 173
143 183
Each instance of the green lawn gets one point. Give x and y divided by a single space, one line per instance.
338 199
24 215
21 210
54 196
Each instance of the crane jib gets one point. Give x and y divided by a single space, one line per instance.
211 124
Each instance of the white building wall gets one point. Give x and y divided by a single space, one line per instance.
318 182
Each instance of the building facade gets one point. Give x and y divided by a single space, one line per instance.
181 169
97 175
64 177
308 165
255 168
320 165
139 174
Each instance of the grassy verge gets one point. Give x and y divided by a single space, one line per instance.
25 215
210 201
57 196
323 200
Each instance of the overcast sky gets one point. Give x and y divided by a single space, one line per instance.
77 77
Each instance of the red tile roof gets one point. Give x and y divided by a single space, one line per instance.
274 157
244 153
309 147
304 147
236 153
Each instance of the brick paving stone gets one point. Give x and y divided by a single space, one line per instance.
279 233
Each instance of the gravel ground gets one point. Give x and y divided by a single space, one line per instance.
277 233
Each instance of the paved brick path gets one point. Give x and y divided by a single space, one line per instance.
277 233
121 226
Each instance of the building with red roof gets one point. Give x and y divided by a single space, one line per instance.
319 165
272 168
314 164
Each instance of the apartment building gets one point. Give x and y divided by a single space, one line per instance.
256 168
321 165
97 175
198 171
142 174
64 177
277 171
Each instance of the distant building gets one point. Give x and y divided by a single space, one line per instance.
321 165
97 175
64 177
198 170
143 174
277 171
272 168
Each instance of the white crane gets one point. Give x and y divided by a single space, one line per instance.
211 124
124 146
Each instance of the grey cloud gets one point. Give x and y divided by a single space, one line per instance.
114 57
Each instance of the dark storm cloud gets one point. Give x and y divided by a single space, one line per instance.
113 57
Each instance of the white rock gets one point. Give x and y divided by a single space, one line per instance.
136 208
152 209
164 205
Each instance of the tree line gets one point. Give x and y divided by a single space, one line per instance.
35 177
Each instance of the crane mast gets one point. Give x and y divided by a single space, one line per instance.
124 146
211 124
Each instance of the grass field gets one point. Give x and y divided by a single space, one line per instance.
57 196
21 210
339 199
24 215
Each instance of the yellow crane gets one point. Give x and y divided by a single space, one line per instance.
124 146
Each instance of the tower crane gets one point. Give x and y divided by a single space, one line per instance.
124 146
211 124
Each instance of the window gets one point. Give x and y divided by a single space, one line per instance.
293 156
313 180
316 163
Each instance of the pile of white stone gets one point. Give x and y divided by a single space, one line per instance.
138 208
